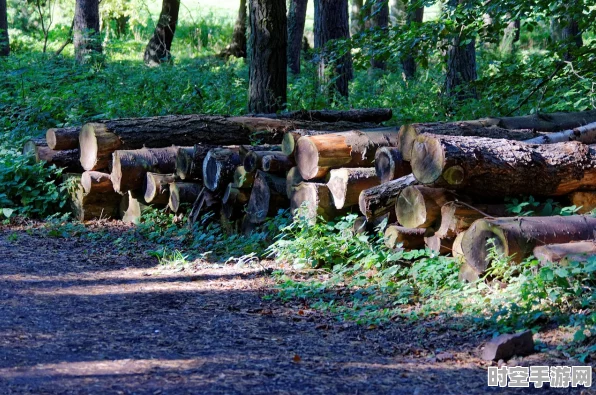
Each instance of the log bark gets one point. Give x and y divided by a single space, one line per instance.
517 237
247 149
456 217
183 192
242 178
461 59
390 164
94 182
379 200
60 139
585 134
399 237
296 22
563 254
219 167
98 203
277 163
316 155
346 185
364 115
253 161
98 140
290 139
233 202
317 201
409 133
189 162
131 208
420 207
157 188
498 168
130 167
586 201
267 197
39 151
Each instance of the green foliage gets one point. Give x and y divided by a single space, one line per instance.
532 207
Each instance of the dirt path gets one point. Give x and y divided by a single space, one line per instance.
77 319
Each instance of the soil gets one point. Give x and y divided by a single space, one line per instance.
78 317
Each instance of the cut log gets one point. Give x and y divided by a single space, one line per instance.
290 139
362 225
456 250
584 134
267 197
219 167
420 207
60 139
253 160
96 182
157 188
517 237
183 192
131 208
98 140
278 164
316 155
311 200
374 115
232 194
294 178
346 185
247 149
242 178
586 201
39 151
129 168
390 165
579 251
379 200
499 168
399 237
97 204
456 217
189 162
552 122
439 245
409 133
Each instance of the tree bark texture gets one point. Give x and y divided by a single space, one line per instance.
409 62
346 185
158 48
4 40
94 204
39 151
379 200
267 197
399 237
268 41
86 30
238 46
157 188
390 164
296 22
63 138
378 19
566 253
183 192
461 64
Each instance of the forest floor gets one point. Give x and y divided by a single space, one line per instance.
76 317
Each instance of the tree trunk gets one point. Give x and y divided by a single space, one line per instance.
253 161
390 165
378 19
399 237
510 36
237 47
100 202
158 48
242 178
4 40
267 197
586 201
408 62
564 254
157 188
420 207
409 133
517 237
379 200
86 30
493 168
60 139
356 16
219 167
277 163
585 134
296 22
183 192
461 64
456 217
331 23
268 41
346 185
316 155
189 162
317 200
129 168
39 151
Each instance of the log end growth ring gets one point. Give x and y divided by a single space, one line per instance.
411 208
88 144
211 172
51 138
288 144
150 188
116 174
475 244
307 158
258 205
428 160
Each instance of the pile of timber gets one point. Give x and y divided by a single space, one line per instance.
234 166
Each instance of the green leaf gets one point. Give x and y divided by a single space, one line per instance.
7 212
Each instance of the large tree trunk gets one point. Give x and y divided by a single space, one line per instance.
461 64
347 184
493 168
517 237
237 47
4 41
331 23
268 41
158 48
373 115
316 155
86 30
99 140
378 19
408 62
296 21
379 200
63 138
